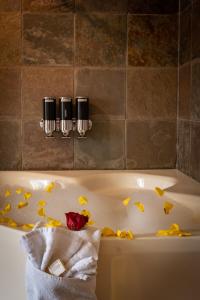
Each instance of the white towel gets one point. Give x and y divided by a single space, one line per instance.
77 250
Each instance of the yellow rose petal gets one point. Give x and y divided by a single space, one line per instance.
168 207
12 224
7 208
184 233
49 219
174 227
162 232
5 220
41 203
49 187
19 191
86 213
139 206
126 201
90 223
159 191
106 232
7 193
22 204
82 200
129 235
41 212
28 226
2 220
53 222
174 230
27 195
121 234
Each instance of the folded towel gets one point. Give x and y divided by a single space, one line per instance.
77 250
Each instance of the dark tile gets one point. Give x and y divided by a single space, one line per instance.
49 82
196 29
153 6
48 39
10 5
10 96
10 147
10 42
185 36
103 148
48 5
195 151
152 93
100 39
152 40
184 91
183 150
40 153
184 4
195 101
106 90
151 144
101 5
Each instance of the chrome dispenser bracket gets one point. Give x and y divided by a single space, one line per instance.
42 123
73 124
90 124
57 124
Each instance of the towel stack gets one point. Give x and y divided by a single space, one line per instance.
78 252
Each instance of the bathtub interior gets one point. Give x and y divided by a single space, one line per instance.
105 192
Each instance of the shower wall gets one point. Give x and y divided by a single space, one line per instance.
122 54
189 89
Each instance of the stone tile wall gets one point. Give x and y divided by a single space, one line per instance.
189 89
122 54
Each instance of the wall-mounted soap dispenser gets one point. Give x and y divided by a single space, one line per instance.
48 123
66 121
83 123
66 115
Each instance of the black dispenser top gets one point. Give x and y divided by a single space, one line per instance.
66 112
82 108
49 108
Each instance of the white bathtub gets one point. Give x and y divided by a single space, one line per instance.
145 268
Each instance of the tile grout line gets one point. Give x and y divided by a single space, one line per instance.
21 92
126 96
191 88
74 74
119 13
153 120
106 67
178 81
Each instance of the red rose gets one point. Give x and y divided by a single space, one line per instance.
75 221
